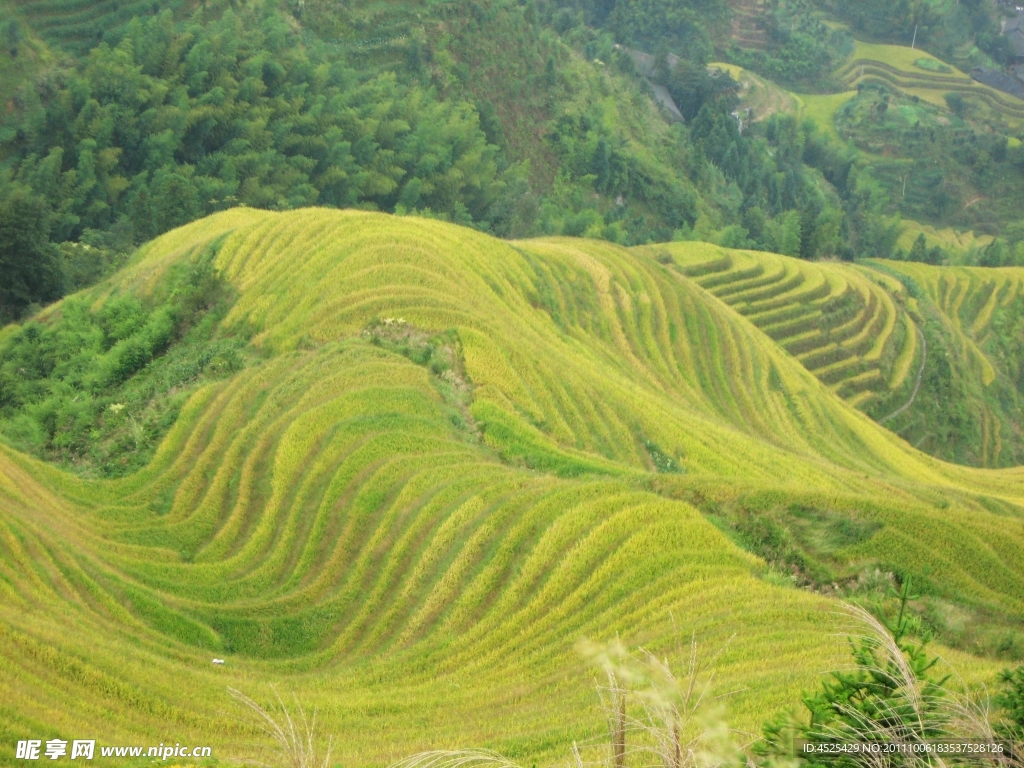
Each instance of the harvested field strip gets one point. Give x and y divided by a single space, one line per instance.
754 298
904 363
793 333
815 289
854 69
742 291
861 399
825 355
838 372
777 317
868 381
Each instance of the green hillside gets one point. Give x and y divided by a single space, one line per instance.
973 316
931 352
79 25
394 107
446 459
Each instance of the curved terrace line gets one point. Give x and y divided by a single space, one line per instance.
917 384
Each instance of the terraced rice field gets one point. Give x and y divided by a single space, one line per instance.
749 23
415 553
895 66
79 25
847 326
969 297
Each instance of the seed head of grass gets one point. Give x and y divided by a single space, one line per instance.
295 736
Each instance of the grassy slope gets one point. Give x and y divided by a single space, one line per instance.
326 521
762 97
822 110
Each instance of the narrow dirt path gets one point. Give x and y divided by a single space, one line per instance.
917 385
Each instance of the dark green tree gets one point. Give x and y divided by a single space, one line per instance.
29 263
919 251
691 86
997 254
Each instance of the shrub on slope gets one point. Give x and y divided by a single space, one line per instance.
95 384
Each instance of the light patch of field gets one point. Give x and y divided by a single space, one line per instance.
734 70
904 58
917 73
822 109
833 24
932 96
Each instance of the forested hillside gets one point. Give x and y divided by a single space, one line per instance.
130 122
960 32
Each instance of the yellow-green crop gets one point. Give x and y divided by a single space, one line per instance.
328 521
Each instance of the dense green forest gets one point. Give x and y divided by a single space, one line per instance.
171 117
124 123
